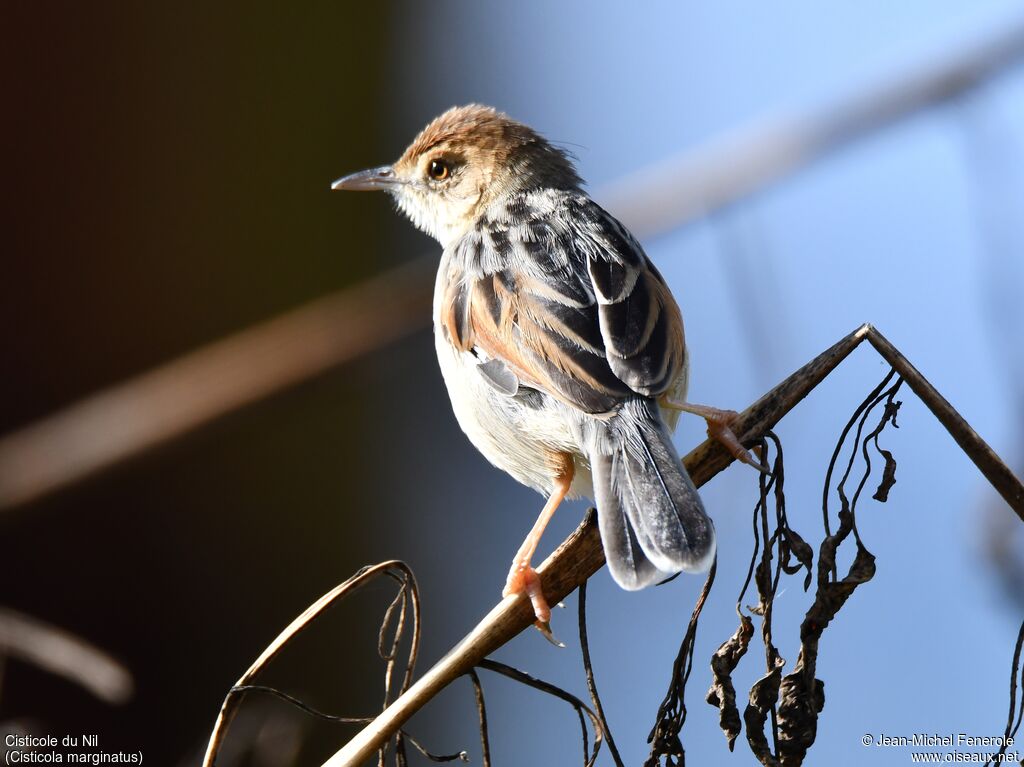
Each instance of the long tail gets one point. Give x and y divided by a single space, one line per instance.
651 518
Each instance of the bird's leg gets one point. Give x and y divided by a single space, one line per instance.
522 578
720 424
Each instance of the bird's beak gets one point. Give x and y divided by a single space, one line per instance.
368 180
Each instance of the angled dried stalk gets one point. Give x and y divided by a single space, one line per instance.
580 555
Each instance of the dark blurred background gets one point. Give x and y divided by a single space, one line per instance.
166 184
166 181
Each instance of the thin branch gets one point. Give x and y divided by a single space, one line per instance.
301 705
588 669
60 652
581 708
481 712
395 569
1012 725
826 521
984 457
581 555
171 400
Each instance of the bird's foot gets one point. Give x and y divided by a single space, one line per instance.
720 423
523 579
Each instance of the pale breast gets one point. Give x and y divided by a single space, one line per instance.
516 437
515 434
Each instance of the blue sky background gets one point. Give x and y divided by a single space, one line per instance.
916 229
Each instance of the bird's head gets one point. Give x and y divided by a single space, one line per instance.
463 161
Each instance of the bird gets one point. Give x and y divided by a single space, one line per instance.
560 343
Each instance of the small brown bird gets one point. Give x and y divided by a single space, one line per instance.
561 346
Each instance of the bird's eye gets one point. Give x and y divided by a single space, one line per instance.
439 170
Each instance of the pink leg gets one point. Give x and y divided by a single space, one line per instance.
522 578
720 424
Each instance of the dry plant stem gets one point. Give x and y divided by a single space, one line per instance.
984 457
576 560
589 672
171 400
481 713
580 555
297 626
64 654
583 711
1015 715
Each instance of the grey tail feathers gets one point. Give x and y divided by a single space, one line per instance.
651 518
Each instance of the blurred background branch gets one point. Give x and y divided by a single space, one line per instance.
59 652
169 401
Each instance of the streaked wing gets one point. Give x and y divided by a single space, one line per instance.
580 314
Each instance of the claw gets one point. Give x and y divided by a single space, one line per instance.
752 458
748 458
544 627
